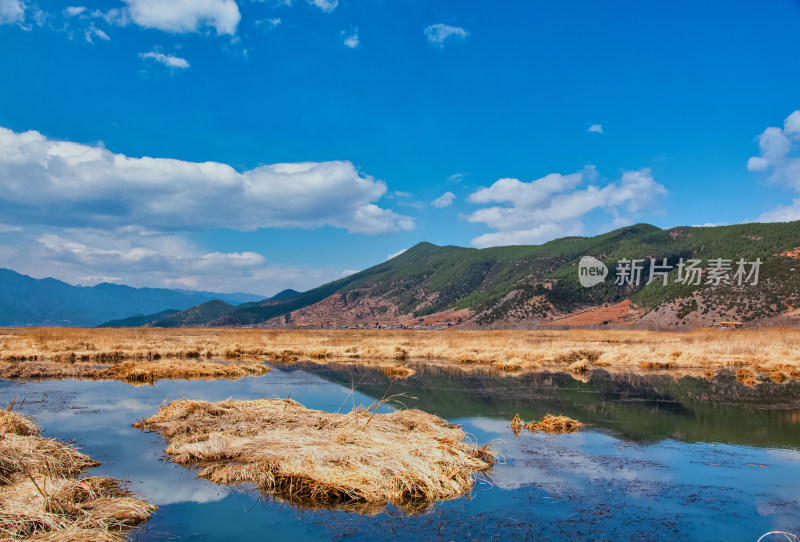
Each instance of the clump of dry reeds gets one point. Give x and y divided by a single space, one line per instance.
149 371
580 366
517 424
40 497
655 365
554 425
747 376
398 371
359 460
134 372
16 424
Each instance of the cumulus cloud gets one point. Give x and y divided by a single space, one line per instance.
445 200
439 33
183 16
47 181
325 5
11 11
554 206
596 128
167 60
72 11
779 154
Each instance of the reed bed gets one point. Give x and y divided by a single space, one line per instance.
358 461
72 352
133 372
41 497
150 371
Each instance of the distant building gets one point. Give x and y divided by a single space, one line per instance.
726 325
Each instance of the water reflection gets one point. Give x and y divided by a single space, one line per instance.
636 407
663 458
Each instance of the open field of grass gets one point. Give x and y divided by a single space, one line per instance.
145 354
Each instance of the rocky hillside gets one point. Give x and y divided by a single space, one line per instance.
531 285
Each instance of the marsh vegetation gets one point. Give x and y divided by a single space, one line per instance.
146 354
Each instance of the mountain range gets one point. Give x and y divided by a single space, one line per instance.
697 273
700 276
26 301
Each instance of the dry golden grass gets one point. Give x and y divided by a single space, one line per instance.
149 371
357 461
554 425
396 371
656 365
747 376
41 498
549 424
16 424
70 352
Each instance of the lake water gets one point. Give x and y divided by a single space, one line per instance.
661 459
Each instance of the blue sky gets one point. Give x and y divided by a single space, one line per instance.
523 121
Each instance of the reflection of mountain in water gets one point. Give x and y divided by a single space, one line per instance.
637 407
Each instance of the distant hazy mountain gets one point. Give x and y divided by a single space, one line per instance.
197 316
25 301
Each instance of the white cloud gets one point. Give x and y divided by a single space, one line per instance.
437 34
711 224
776 146
784 213
445 200
779 153
456 177
352 41
395 255
47 181
93 32
11 11
140 257
72 11
6 228
325 5
182 16
348 272
596 128
271 22
167 60
554 205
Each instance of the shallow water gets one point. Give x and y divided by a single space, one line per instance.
661 459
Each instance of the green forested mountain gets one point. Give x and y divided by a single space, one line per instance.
541 281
